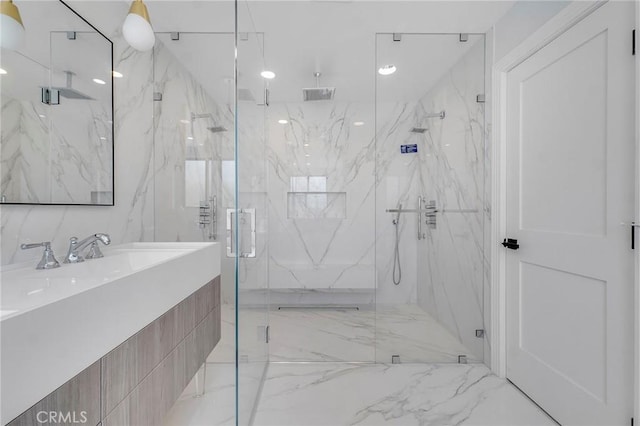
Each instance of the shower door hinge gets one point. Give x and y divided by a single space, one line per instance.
480 333
157 96
480 99
462 359
266 97
464 37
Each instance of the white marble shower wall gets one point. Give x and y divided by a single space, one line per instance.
451 262
397 179
131 219
321 203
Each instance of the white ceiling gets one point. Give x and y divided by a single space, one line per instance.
337 38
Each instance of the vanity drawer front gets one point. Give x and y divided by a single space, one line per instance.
75 402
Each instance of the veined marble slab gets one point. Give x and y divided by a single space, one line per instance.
404 395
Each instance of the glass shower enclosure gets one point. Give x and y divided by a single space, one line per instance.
430 198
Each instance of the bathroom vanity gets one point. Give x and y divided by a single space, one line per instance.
111 341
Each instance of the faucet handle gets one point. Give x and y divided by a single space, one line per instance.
48 260
45 244
94 251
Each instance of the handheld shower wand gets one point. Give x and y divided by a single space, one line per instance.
397 268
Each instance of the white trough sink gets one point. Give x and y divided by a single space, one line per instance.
55 323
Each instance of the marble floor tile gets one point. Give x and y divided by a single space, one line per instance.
216 407
333 394
336 335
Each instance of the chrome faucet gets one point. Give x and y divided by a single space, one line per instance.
75 247
48 260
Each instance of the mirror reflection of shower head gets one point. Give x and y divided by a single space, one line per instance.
69 92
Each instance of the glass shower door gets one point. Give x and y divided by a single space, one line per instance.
430 198
247 222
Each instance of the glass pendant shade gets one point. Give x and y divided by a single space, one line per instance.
137 30
11 27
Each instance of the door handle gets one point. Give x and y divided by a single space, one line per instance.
510 243
233 251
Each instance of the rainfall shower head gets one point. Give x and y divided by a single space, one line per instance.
439 115
212 129
318 93
69 92
217 129
204 115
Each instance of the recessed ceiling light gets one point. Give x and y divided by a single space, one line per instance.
190 138
268 74
358 123
282 121
185 121
98 81
2 71
307 155
42 116
387 69
306 144
116 74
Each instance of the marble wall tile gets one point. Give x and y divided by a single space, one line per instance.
320 151
451 270
397 180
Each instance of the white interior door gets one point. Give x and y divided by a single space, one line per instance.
570 169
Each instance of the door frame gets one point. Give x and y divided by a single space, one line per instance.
565 19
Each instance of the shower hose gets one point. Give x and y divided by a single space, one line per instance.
397 268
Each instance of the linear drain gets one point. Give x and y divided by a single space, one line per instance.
325 307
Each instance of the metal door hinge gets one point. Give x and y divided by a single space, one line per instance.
462 359
157 96
480 333
511 243
480 99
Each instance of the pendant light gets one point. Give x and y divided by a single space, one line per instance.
11 27
137 30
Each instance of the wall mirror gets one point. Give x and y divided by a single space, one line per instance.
56 128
